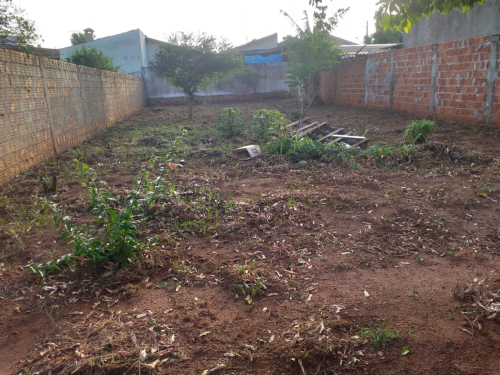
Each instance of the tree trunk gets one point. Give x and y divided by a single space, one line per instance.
190 106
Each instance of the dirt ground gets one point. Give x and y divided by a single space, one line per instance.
268 266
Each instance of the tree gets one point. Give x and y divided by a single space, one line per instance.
246 76
14 28
77 38
381 36
93 58
192 62
311 51
402 14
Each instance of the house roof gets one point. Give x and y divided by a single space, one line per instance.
363 49
342 42
270 40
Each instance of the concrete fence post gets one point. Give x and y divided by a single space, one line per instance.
82 98
491 79
391 80
337 83
432 89
47 100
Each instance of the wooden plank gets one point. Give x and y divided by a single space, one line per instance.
310 130
306 127
330 134
296 122
337 137
349 136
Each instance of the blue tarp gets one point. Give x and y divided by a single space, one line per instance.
256 59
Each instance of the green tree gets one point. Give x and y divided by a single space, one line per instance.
381 36
14 28
402 14
311 51
244 75
92 58
193 62
77 38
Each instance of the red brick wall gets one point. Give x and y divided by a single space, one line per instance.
77 103
412 80
458 93
377 80
462 71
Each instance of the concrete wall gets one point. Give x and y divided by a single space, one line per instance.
48 106
159 91
126 49
458 81
481 20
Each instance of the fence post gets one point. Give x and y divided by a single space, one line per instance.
432 90
337 83
492 77
391 80
87 125
47 100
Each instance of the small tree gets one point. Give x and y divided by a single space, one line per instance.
77 38
14 28
192 62
92 58
311 51
246 76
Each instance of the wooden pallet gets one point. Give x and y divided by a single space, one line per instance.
307 127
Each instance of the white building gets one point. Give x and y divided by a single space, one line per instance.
131 51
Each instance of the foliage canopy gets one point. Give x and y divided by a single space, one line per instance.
14 28
402 14
77 38
93 58
192 62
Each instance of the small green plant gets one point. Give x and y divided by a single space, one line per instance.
418 131
269 123
230 122
378 335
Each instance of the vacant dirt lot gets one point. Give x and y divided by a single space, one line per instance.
270 266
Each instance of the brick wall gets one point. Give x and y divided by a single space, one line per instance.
457 81
48 106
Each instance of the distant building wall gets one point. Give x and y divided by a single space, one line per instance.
126 49
457 81
48 106
481 20
159 91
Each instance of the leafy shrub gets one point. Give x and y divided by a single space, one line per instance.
269 122
418 131
306 148
230 122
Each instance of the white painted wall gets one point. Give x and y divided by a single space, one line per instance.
128 50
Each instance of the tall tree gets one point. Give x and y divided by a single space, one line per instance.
402 14
77 38
14 27
311 51
381 36
193 62
93 58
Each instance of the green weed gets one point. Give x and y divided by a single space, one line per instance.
378 335
418 131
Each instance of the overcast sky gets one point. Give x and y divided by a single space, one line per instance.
237 20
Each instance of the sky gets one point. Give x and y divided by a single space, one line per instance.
238 21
